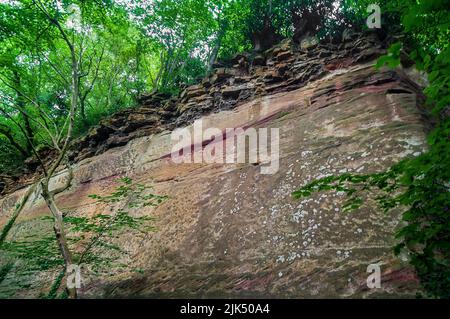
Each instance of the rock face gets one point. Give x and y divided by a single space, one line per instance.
229 231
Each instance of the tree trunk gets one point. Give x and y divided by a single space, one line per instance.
49 196
6 131
162 58
83 112
138 63
21 104
266 37
16 213
165 74
215 51
60 234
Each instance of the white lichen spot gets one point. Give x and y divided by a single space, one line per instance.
360 169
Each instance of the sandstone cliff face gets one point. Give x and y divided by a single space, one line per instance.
229 231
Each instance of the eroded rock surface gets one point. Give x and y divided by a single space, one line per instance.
229 231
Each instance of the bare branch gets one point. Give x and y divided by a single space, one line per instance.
28 139
41 7
6 131
54 67
21 110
